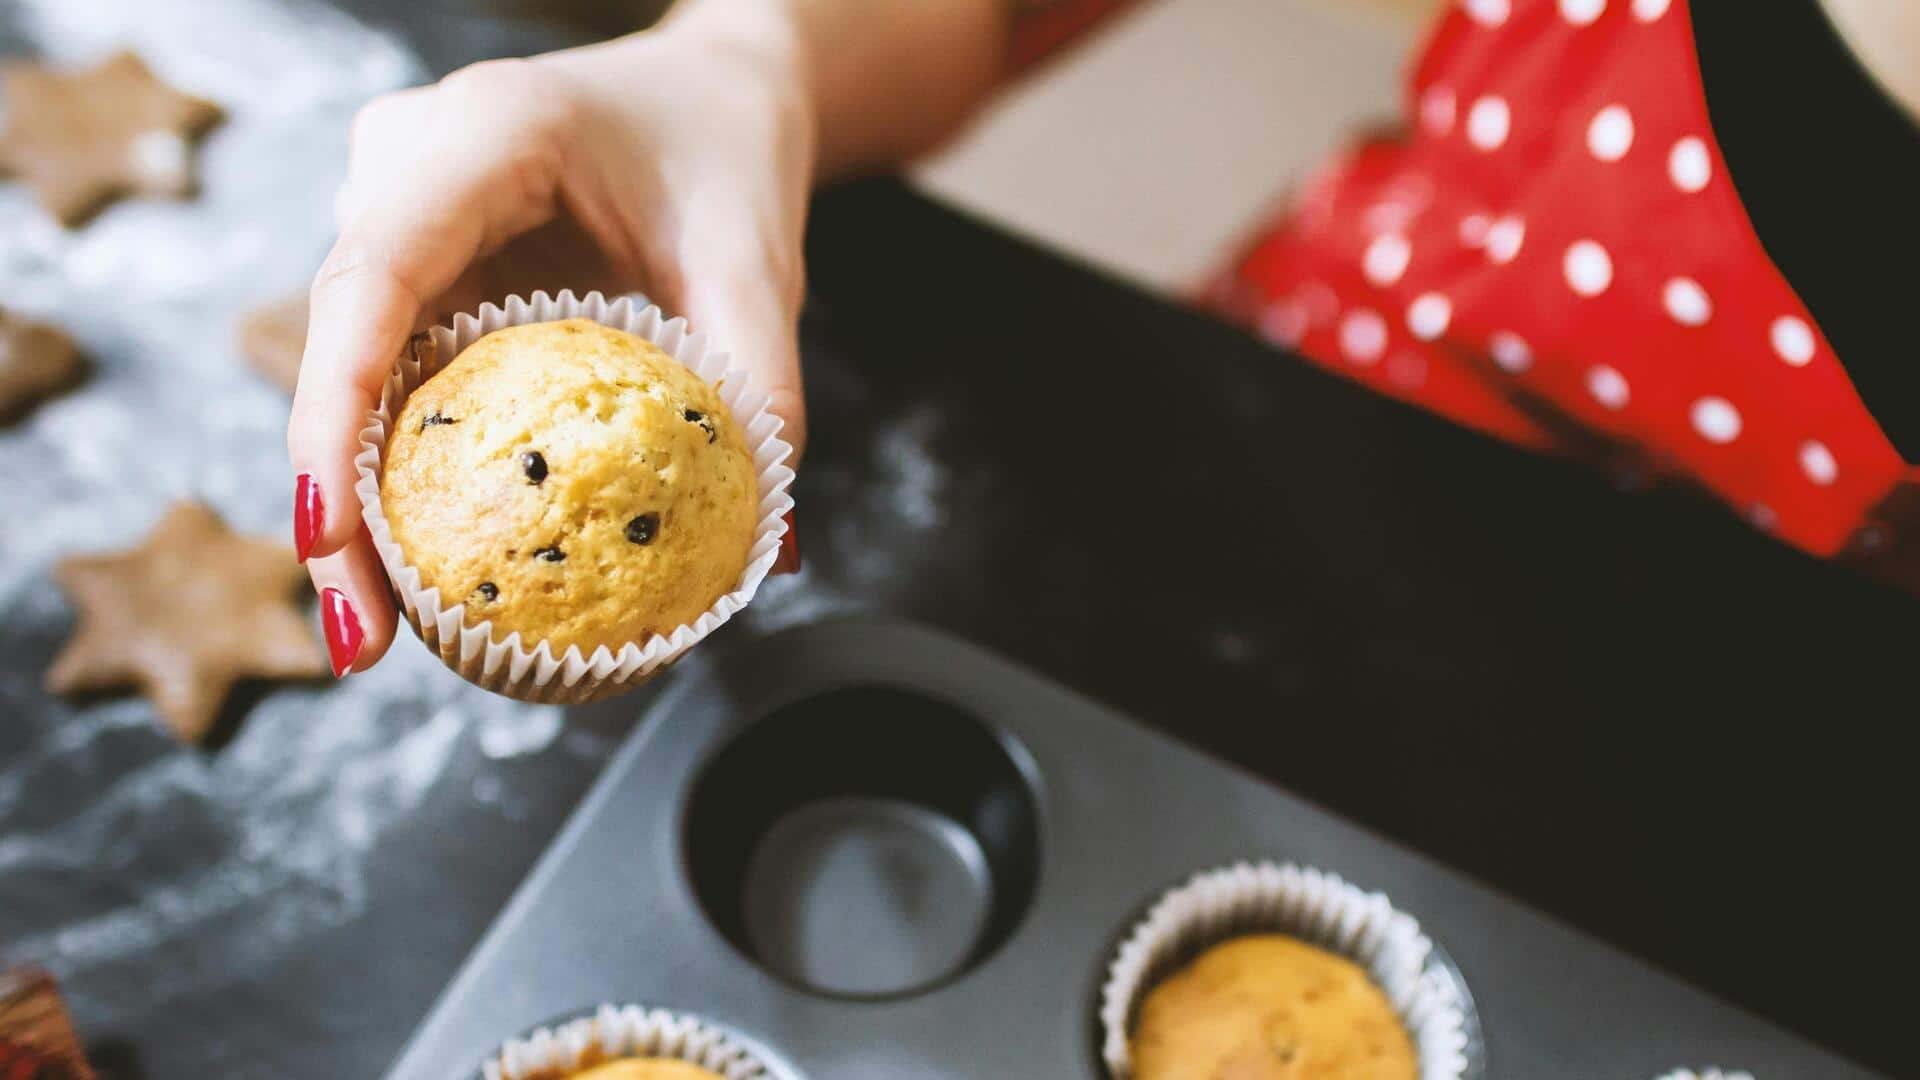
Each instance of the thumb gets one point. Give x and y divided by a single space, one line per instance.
746 311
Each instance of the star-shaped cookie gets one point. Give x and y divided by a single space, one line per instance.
36 361
272 338
37 1040
80 139
184 616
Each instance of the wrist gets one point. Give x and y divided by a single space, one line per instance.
767 37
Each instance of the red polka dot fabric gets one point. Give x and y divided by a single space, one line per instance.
1553 252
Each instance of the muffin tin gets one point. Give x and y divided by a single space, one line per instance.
881 853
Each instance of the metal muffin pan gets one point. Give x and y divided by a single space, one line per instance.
881 853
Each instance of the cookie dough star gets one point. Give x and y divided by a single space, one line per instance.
36 362
184 616
80 139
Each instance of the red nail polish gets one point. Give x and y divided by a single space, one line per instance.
309 515
788 561
342 627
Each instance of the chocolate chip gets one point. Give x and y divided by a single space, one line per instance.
488 591
535 465
550 554
434 419
695 416
641 530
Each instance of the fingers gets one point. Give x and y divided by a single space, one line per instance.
760 336
362 313
438 178
357 615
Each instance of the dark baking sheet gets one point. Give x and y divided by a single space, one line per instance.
619 908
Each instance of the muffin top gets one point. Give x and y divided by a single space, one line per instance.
1270 1007
647 1069
573 483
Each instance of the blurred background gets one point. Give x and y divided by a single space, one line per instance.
332 841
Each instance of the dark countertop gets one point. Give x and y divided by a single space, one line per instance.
1626 708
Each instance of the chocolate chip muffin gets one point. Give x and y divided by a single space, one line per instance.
1270 1007
573 483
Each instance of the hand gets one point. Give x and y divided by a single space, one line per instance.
669 162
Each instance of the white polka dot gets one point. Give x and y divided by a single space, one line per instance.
1716 420
1473 229
1504 239
1319 301
1610 135
1818 462
1285 323
1386 259
1363 336
1387 217
1428 316
1407 370
1582 12
1762 517
1607 386
1510 351
1793 340
1650 10
1687 302
1487 12
1689 165
1488 122
1437 107
1588 268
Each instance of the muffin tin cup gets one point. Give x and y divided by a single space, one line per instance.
1705 1074
1315 906
533 672
621 1031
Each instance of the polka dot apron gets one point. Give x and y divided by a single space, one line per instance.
1552 253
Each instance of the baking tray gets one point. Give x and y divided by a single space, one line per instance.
879 852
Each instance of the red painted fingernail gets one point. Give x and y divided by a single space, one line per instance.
18 1063
309 515
788 561
342 627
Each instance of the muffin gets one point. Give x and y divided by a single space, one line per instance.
627 1042
1270 1007
647 1069
572 483
1277 971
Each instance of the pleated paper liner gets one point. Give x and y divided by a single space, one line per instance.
626 1031
1320 909
532 671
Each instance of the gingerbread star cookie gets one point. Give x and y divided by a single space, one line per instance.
184 616
36 362
80 139
272 338
37 1040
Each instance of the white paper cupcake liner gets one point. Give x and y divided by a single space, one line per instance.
621 1031
1705 1074
1316 907
533 673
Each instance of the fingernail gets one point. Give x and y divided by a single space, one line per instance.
788 561
309 515
342 627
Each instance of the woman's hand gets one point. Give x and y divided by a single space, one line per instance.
675 162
